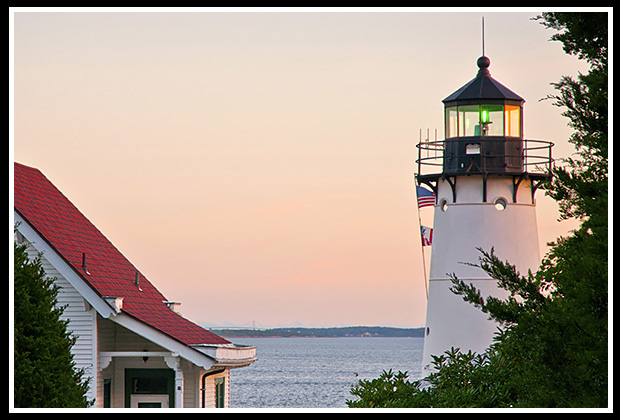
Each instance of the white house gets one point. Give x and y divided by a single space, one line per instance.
137 350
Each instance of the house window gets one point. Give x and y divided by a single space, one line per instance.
220 392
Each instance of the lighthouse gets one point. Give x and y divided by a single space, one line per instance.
484 177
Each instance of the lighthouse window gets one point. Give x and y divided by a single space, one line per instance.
500 204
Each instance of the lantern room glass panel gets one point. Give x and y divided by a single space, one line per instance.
469 120
492 120
513 121
451 122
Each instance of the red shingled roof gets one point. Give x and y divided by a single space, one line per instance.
71 234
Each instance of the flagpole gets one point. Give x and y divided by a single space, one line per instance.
422 243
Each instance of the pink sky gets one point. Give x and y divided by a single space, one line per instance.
258 167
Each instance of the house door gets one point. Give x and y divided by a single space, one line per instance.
149 388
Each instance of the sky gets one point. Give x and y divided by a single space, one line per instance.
257 166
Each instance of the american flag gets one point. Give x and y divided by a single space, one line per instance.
427 235
425 197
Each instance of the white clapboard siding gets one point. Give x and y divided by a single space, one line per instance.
210 389
190 384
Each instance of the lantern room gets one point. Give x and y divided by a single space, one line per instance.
483 107
483 126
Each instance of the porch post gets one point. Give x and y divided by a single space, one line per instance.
174 363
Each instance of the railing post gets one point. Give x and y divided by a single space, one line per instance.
550 160
419 157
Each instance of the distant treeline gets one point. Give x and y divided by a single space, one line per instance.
323 332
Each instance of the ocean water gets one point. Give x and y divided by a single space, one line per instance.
318 372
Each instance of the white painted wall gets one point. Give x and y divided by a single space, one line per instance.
465 225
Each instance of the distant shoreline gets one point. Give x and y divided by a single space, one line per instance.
330 332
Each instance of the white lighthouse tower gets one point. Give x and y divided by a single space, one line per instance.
484 176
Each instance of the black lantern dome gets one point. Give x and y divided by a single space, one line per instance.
483 86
